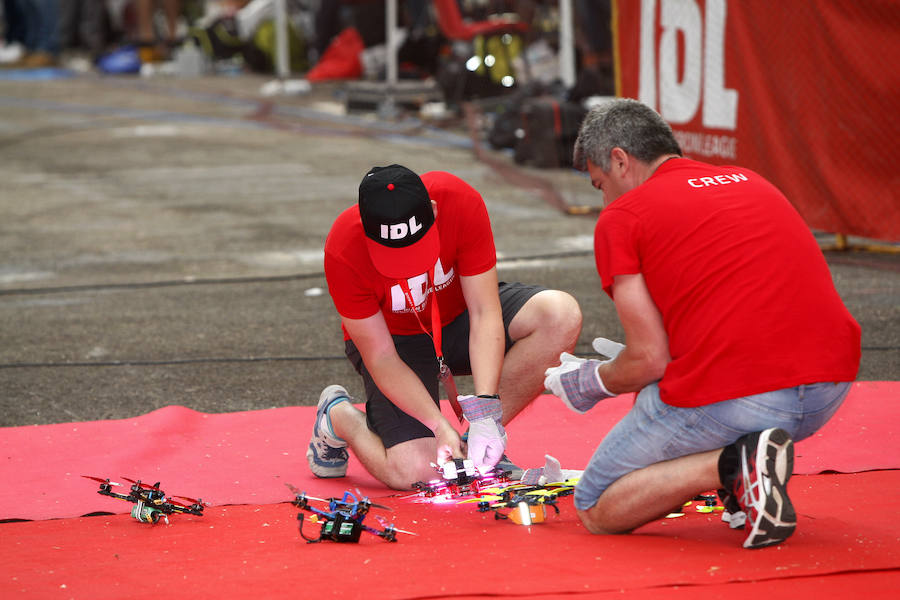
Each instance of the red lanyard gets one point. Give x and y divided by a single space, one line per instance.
444 374
435 333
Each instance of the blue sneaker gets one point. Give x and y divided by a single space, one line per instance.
327 454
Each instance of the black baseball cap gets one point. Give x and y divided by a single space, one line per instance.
398 221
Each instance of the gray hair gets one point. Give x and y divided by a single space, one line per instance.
627 124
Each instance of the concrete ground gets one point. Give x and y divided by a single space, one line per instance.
161 243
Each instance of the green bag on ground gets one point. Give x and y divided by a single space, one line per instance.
220 41
259 52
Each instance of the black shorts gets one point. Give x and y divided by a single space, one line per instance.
390 423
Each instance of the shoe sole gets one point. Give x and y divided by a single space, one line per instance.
319 469
778 520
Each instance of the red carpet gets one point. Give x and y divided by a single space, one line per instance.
245 458
845 528
847 543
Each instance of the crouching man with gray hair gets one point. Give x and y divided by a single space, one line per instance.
736 340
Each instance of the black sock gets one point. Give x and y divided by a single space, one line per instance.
729 466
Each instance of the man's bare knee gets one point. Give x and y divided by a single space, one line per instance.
571 322
562 316
552 314
593 521
408 463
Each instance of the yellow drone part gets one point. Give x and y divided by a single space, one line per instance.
481 499
516 486
542 493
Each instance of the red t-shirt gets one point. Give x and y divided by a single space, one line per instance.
467 248
745 293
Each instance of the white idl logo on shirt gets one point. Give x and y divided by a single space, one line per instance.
419 289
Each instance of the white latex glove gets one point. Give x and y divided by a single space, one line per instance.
576 382
487 438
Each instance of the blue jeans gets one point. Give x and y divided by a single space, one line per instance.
40 25
654 431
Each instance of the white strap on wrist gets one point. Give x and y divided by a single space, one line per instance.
600 382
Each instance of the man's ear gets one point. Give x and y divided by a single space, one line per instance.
434 208
618 159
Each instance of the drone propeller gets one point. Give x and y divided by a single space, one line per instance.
413 495
488 498
568 483
304 494
496 489
520 487
197 501
540 492
372 504
141 484
384 523
313 498
194 504
101 480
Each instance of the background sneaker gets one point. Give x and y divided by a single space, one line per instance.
515 472
766 463
11 53
327 453
733 515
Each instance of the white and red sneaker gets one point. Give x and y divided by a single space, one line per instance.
766 462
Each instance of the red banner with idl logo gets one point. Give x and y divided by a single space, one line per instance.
806 93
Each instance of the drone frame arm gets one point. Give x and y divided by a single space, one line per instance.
188 510
111 494
388 533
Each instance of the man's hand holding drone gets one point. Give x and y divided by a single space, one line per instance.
449 444
576 380
487 438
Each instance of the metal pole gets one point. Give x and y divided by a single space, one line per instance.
388 108
282 64
566 44
391 35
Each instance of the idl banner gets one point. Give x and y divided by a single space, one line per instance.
807 93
